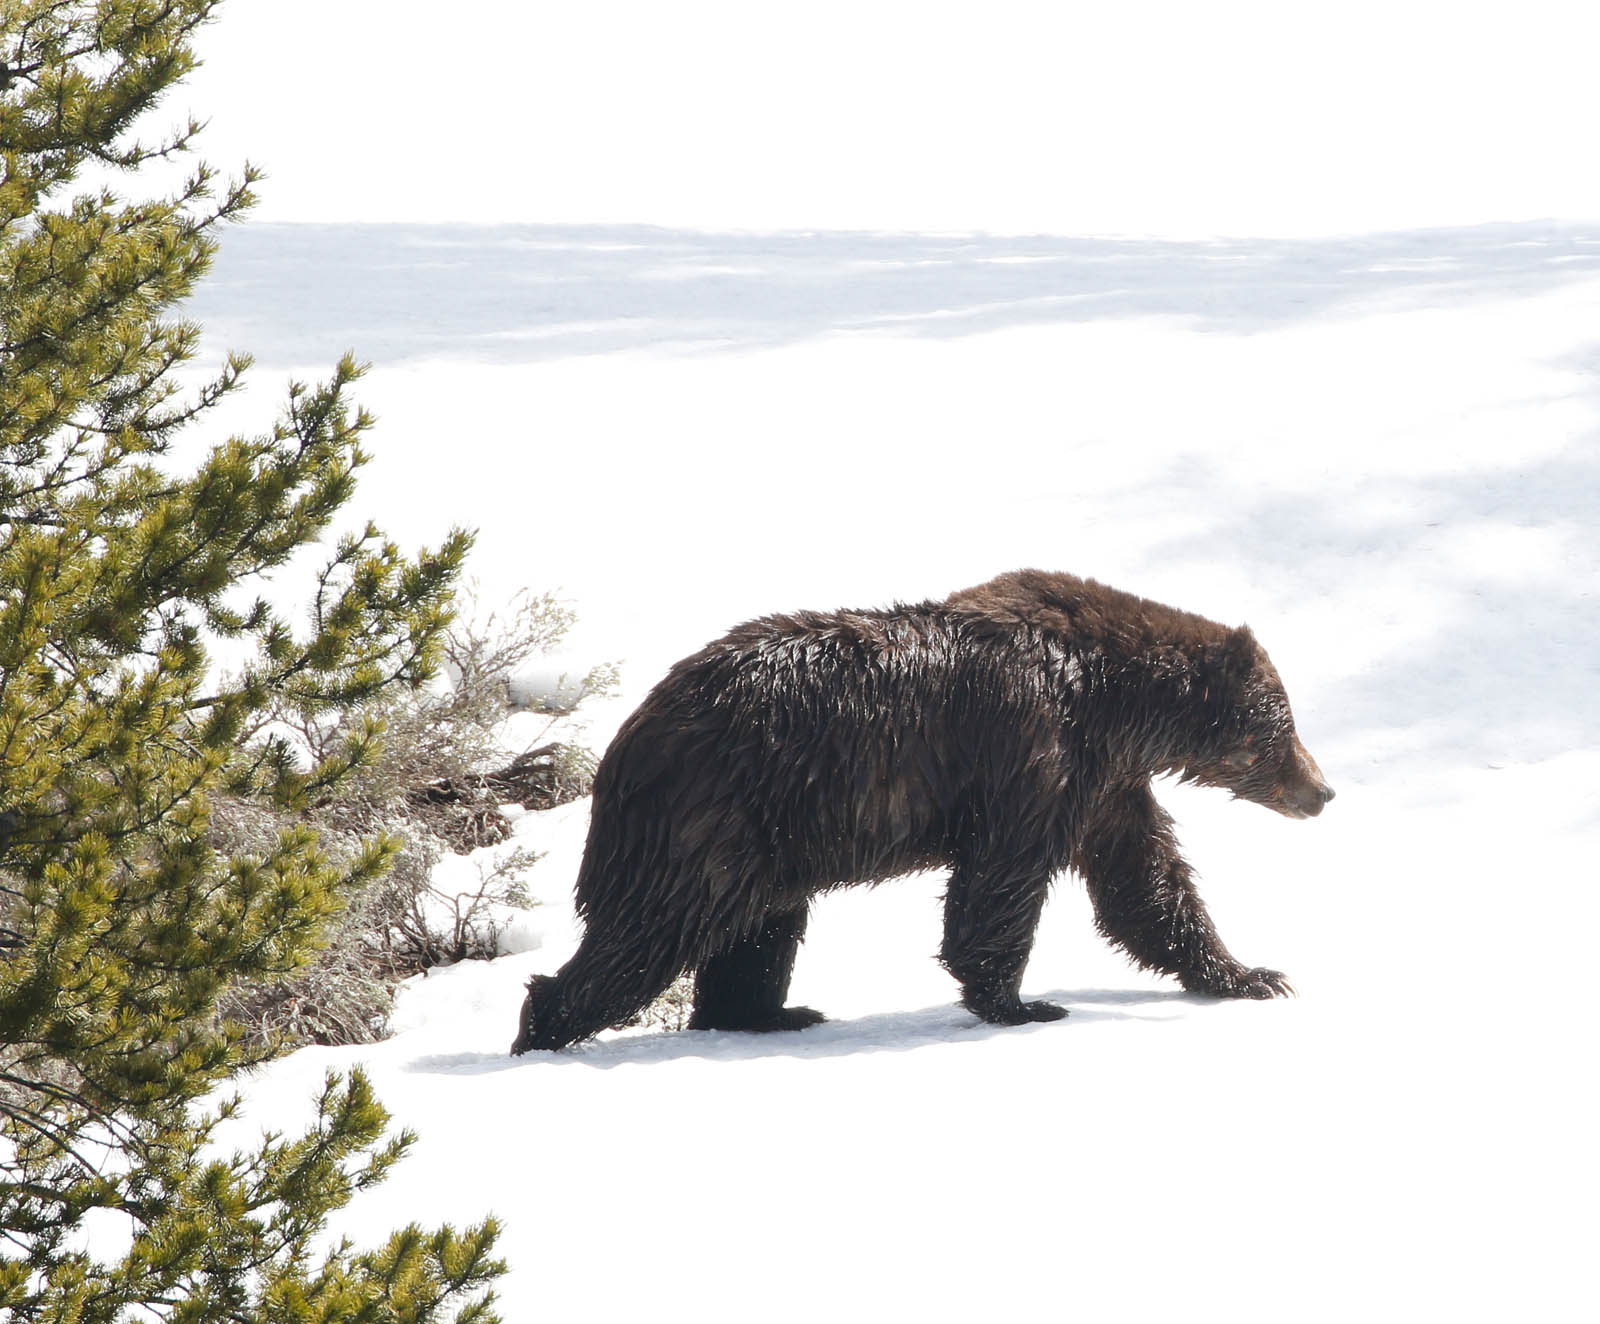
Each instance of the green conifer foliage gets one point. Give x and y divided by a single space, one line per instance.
126 581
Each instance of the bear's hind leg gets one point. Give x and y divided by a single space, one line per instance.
743 986
1145 900
989 921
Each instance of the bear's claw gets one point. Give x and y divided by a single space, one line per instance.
1255 982
1260 982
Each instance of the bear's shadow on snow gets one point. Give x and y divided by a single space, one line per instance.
879 1032
304 294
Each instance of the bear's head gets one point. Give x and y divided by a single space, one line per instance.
1250 746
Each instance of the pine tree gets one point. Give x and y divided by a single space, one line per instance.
127 581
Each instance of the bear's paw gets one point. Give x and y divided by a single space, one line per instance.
1251 982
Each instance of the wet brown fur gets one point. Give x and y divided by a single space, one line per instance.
1007 733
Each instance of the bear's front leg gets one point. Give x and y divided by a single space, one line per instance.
1146 903
989 922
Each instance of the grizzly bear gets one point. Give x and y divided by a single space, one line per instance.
1006 734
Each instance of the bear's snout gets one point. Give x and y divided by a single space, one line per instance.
1307 801
1306 792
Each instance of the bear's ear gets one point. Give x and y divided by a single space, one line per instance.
1239 652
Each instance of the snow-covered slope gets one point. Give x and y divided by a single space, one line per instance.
1381 453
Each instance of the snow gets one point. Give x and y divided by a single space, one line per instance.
554 683
1397 487
735 333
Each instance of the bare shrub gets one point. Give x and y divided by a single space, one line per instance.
465 811
425 926
670 1011
433 784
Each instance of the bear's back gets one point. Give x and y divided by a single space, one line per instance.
853 741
